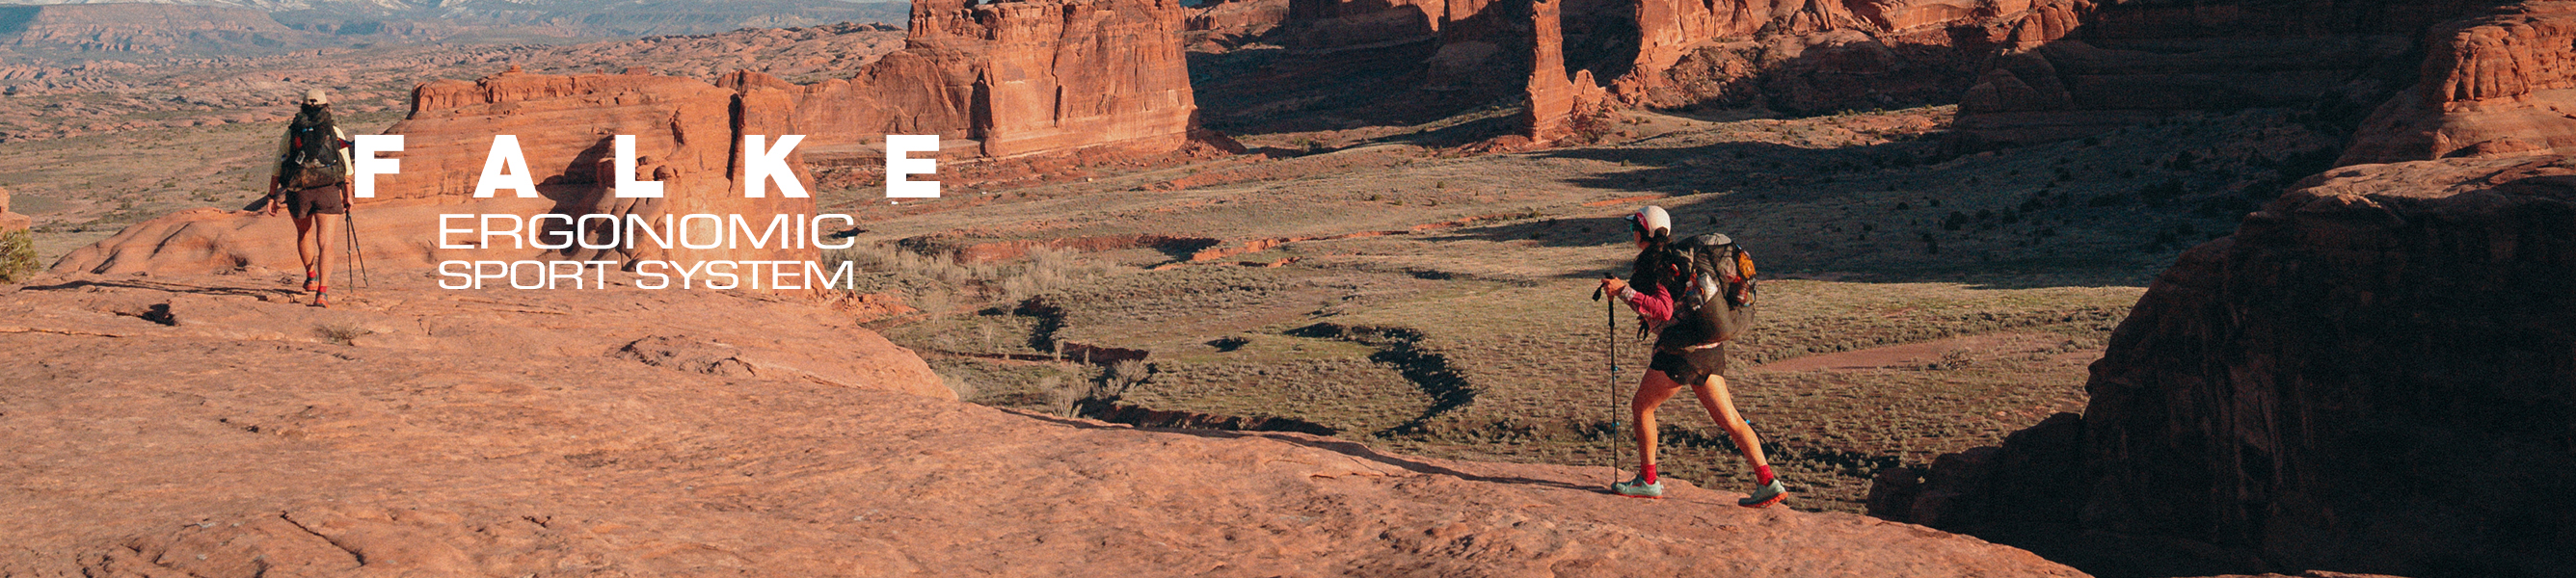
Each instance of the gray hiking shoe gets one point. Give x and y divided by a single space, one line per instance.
1765 496
1638 488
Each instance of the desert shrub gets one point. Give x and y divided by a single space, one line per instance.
2183 162
18 256
341 332
2162 192
888 258
1076 398
1127 373
956 285
958 384
1063 397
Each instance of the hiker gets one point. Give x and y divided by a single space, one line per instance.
312 180
1695 295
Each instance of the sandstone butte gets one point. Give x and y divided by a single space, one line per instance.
2499 83
208 426
1015 78
2372 374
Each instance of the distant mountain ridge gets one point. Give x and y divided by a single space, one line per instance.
425 6
236 26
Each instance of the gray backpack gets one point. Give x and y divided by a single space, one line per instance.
1717 304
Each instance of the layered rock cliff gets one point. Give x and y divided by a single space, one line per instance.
2022 71
1226 24
2373 374
2076 67
2499 83
1022 77
1800 56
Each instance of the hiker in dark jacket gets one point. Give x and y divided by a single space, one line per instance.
312 179
1685 354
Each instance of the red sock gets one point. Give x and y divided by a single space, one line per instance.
1648 473
1761 474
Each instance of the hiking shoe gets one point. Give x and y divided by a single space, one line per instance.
1765 496
1638 488
311 282
322 298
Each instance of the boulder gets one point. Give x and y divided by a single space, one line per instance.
2372 375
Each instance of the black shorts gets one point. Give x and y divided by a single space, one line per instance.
328 200
1691 366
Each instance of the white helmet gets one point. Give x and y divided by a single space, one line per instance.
1647 220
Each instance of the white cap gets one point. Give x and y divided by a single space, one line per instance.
316 96
1650 219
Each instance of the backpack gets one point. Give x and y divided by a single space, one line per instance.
312 156
1717 301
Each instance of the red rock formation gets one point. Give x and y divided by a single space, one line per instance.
11 221
1675 42
1226 24
1318 26
2376 373
1810 56
2497 84
1548 114
1023 77
1669 30
2077 67
564 125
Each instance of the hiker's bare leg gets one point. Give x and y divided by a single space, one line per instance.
305 242
1721 407
1651 392
323 226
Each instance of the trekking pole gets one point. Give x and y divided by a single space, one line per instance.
357 258
1610 358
